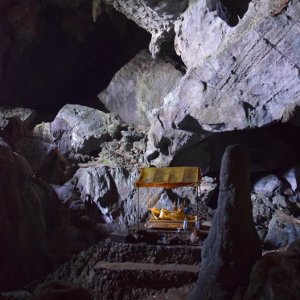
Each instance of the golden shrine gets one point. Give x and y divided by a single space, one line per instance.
171 177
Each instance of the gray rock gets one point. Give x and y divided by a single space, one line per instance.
237 78
157 17
82 129
226 258
55 168
139 87
26 115
275 276
112 190
283 230
33 150
263 209
292 176
267 184
43 132
66 192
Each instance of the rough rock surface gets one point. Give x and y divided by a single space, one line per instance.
226 259
157 17
292 176
267 184
81 129
283 230
276 276
111 189
237 78
112 270
26 115
139 87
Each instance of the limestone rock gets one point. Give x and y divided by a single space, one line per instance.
157 17
81 129
267 184
275 276
56 169
42 131
226 258
237 78
111 189
292 176
283 230
33 150
139 87
26 115
187 147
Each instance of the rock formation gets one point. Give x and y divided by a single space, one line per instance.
157 17
283 230
139 87
232 246
237 78
275 276
81 129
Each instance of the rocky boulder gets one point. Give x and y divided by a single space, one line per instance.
26 115
111 189
283 230
81 129
226 259
237 78
27 213
157 17
139 87
276 276
292 176
267 184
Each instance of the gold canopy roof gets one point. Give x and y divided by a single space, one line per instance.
170 177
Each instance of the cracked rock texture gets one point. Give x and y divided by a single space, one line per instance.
157 17
81 129
238 77
139 87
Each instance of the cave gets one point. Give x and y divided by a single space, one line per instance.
204 94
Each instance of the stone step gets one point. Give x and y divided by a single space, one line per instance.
131 280
143 253
130 266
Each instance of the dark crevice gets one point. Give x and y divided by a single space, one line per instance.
229 10
67 58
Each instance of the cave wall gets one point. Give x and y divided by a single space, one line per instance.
52 52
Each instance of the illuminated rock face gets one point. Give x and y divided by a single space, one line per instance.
81 129
237 77
139 87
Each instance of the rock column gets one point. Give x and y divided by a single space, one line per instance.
233 245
